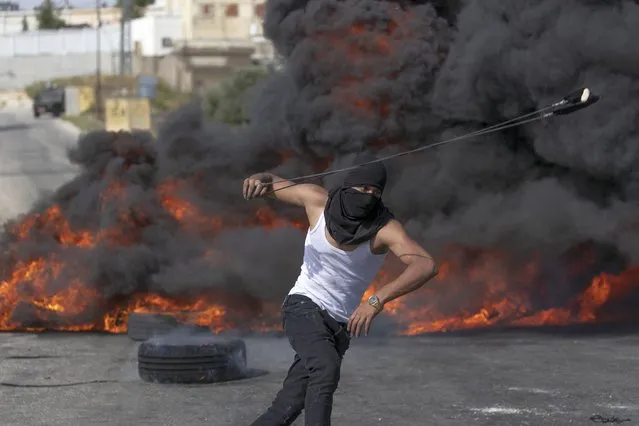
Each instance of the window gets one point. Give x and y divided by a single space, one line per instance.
259 10
232 10
207 9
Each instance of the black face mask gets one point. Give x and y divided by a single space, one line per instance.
358 205
353 217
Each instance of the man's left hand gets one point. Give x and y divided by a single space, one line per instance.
360 321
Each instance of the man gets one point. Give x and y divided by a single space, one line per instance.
350 233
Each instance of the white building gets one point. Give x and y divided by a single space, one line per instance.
213 37
156 35
165 8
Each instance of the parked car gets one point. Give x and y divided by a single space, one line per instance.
50 100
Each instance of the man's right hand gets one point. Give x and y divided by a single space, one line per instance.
257 185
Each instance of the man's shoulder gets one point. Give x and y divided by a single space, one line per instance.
393 225
390 232
315 203
315 196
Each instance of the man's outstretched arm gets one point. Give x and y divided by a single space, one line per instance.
420 266
268 184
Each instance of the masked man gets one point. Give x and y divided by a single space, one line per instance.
350 233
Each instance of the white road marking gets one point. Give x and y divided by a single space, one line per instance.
502 410
507 410
619 406
532 390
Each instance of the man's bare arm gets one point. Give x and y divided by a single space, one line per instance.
420 266
303 194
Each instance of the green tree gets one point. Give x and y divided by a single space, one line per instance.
25 24
49 17
227 102
138 7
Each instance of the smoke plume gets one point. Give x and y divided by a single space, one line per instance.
166 216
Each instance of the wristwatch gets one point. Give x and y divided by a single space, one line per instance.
375 302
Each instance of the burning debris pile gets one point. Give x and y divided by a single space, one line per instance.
536 225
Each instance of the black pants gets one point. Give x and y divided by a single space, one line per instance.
319 342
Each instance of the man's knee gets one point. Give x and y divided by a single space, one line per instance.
325 369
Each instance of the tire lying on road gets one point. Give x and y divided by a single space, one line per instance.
143 326
192 359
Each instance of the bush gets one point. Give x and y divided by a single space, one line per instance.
227 102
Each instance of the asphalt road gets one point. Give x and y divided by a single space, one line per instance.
32 158
512 378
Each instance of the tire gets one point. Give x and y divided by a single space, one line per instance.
143 326
191 329
194 359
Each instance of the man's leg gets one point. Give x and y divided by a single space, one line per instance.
289 402
320 342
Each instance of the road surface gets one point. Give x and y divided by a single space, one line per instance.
32 158
510 378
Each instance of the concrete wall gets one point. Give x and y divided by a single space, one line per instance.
21 71
147 34
11 21
60 42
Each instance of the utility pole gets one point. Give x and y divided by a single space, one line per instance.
98 65
125 37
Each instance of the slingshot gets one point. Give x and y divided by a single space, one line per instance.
570 103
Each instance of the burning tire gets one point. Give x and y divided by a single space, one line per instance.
142 326
196 359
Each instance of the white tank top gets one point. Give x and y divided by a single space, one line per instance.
333 278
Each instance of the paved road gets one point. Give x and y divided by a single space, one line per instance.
513 378
32 158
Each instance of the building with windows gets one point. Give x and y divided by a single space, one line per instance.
165 8
222 19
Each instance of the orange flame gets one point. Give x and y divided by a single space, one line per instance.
486 292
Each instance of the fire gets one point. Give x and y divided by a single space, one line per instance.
503 298
51 287
474 289
359 48
184 211
203 312
53 291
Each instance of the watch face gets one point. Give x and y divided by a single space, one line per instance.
372 300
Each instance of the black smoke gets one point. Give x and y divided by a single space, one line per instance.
375 76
